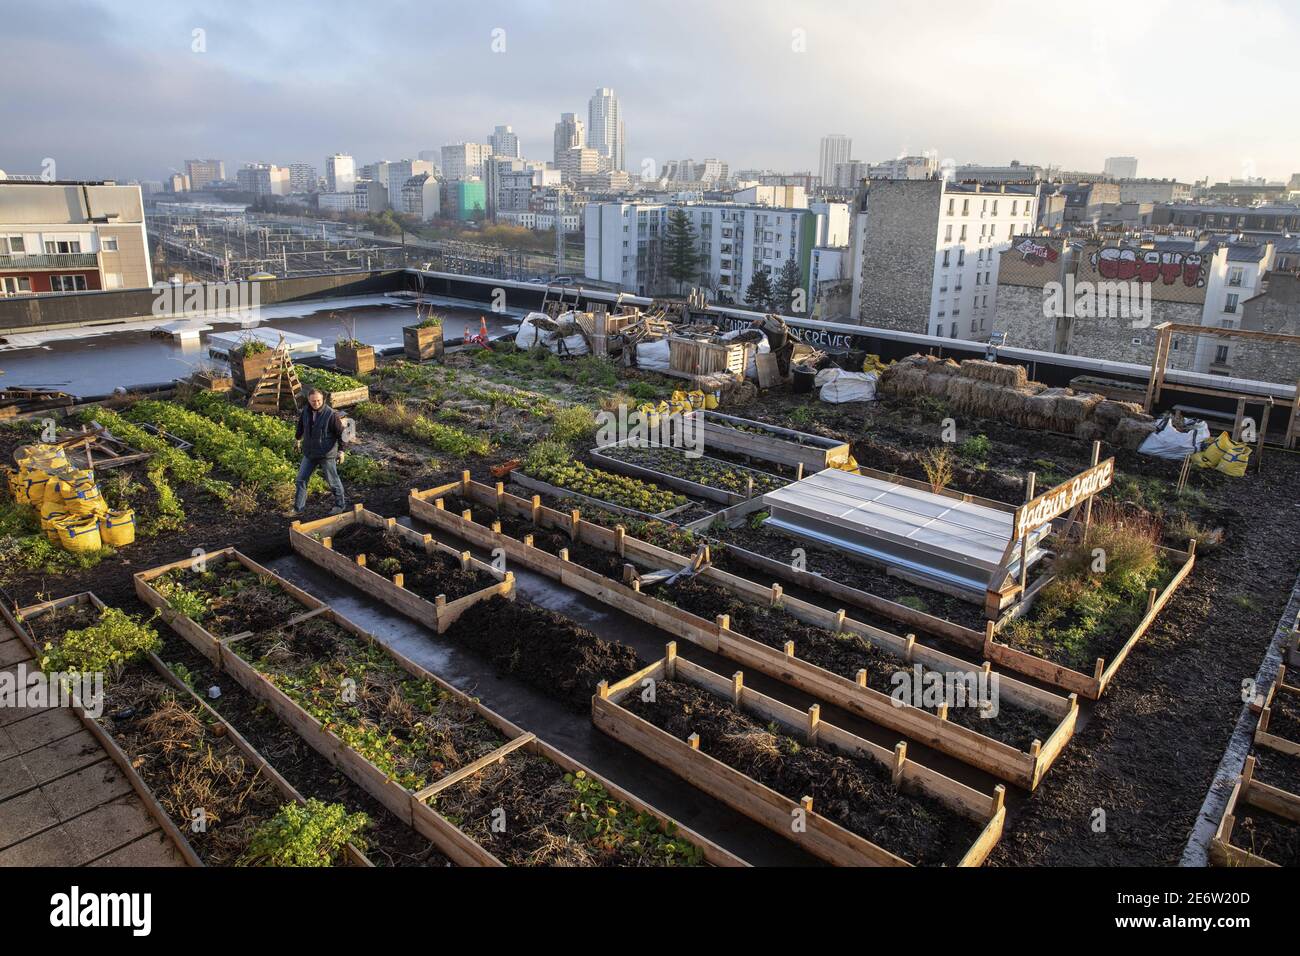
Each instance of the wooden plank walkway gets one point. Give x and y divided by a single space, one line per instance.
63 801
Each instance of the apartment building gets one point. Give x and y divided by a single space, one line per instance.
1276 219
625 243
1014 172
340 173
204 172
71 237
465 160
836 148
605 132
464 199
303 178
504 142
1087 204
1121 167
1154 190
264 179
926 253
398 174
569 133
421 196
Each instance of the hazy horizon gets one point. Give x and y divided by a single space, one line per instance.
755 84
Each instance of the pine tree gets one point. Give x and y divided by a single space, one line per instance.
788 280
759 293
681 257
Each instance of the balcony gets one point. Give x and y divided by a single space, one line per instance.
65 260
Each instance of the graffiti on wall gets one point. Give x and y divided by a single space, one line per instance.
1037 254
1150 266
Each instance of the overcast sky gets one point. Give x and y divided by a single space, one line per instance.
116 89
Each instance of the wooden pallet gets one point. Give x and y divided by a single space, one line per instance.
1024 768
819 836
410 806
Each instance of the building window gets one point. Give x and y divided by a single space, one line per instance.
1221 354
947 233
1231 304
109 244
961 257
963 233
965 211
1235 276
67 283
953 334
62 246
1013 207
946 254
952 204
15 285
12 245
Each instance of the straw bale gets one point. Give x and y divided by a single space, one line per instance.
1010 375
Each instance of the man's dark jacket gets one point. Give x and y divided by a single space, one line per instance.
320 432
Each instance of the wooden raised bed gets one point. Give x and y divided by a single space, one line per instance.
822 837
246 370
784 446
259 764
410 806
346 397
1264 737
684 485
1249 792
1023 768
354 360
312 541
528 483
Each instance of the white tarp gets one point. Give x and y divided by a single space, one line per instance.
1168 442
839 386
530 336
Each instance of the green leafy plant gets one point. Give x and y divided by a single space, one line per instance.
108 645
616 828
617 489
327 380
575 423
311 834
975 448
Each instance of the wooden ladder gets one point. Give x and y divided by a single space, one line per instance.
279 387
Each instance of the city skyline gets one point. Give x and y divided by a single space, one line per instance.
294 89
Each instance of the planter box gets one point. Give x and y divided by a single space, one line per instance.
246 371
354 361
687 487
821 837
213 382
785 446
312 541
1264 737
410 806
1025 768
346 397
422 344
1248 792
258 764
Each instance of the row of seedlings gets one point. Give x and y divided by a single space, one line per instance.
423 578
841 798
218 801
701 476
482 790
1037 722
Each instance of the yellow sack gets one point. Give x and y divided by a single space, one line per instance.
849 464
35 486
117 528
49 525
83 498
79 533
1233 456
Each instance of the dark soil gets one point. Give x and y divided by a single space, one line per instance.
1265 834
856 794
1284 716
428 575
188 766
239 600
1277 769
390 842
49 628
552 653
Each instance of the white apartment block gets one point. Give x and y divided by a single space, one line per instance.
421 196
791 197
569 133
302 178
1154 190
504 142
399 174
264 179
1121 167
624 243
926 253
340 173
465 160
903 167
835 149
605 132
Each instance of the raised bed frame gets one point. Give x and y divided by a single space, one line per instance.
1263 737
684 485
529 483
1022 768
260 764
1249 792
407 805
312 540
785 446
822 837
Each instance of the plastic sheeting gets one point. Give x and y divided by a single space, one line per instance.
1168 442
653 356
839 386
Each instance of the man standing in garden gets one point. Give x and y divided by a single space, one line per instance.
319 437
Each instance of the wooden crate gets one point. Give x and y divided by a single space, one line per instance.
259 764
346 397
1025 768
821 837
688 356
312 540
354 360
1249 792
422 344
410 806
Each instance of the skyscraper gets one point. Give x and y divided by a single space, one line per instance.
605 127
836 148
504 142
569 134
340 173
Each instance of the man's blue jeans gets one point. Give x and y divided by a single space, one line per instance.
329 468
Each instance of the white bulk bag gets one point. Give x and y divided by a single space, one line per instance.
839 386
653 356
1168 442
761 346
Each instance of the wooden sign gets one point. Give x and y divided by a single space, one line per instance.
1065 496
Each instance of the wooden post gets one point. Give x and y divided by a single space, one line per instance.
328 542
537 508
361 560
814 723
501 493
670 660
440 601
602 689
1024 541
900 758
839 620
575 521
737 687
465 558
464 482
789 648
467 515
776 594
564 556
399 579
798 474
909 647
806 803
1087 505
724 622
1236 420
620 533
1263 429
496 526
694 741
862 677
528 541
